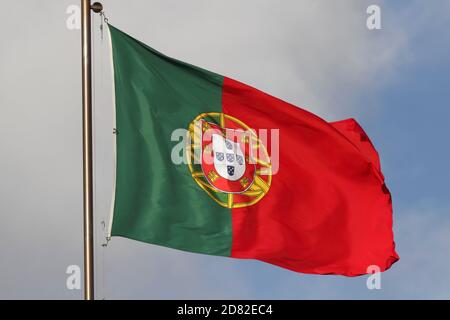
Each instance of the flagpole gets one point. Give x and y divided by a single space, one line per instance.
88 192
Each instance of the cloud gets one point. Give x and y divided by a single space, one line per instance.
423 238
316 54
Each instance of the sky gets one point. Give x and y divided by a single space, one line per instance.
317 54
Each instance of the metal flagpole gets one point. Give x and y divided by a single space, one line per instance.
88 194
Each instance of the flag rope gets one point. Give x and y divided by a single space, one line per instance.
98 87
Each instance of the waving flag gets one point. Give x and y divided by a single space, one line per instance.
210 165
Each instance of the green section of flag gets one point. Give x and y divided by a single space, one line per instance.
157 201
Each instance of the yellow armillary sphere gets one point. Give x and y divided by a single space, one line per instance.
227 160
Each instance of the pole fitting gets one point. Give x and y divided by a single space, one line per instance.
97 7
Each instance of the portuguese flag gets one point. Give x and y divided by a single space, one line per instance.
210 165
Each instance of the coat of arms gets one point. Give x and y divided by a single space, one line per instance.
227 160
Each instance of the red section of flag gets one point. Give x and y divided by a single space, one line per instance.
328 210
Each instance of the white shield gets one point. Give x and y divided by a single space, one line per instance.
229 160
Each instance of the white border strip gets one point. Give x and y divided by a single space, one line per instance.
111 215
